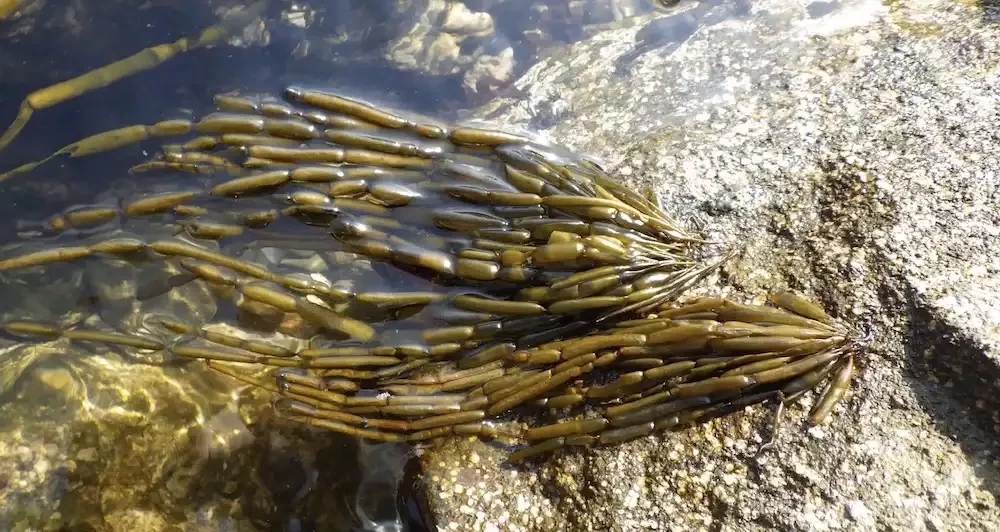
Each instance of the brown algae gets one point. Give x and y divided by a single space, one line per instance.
531 280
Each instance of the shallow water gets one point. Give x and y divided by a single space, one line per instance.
92 438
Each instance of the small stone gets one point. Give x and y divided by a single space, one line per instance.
858 511
42 467
56 379
87 455
460 20
51 450
934 523
24 454
817 432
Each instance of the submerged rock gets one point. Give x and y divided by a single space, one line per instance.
852 148
97 441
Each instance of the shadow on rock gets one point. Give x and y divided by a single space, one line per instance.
955 380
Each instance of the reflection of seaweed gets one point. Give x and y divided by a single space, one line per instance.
531 278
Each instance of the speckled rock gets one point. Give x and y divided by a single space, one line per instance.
850 148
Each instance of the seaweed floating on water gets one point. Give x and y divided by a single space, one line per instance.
481 273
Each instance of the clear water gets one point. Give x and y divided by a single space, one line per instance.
92 438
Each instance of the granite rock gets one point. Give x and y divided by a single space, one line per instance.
849 148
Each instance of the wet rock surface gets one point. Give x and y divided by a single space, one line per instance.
850 149
89 441
106 439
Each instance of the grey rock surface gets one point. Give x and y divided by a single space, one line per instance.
850 148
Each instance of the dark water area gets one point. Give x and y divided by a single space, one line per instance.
181 87
155 95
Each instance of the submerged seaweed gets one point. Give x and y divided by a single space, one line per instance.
424 279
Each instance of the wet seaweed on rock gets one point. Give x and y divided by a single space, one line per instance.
443 277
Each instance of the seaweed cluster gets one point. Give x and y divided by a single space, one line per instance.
471 274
